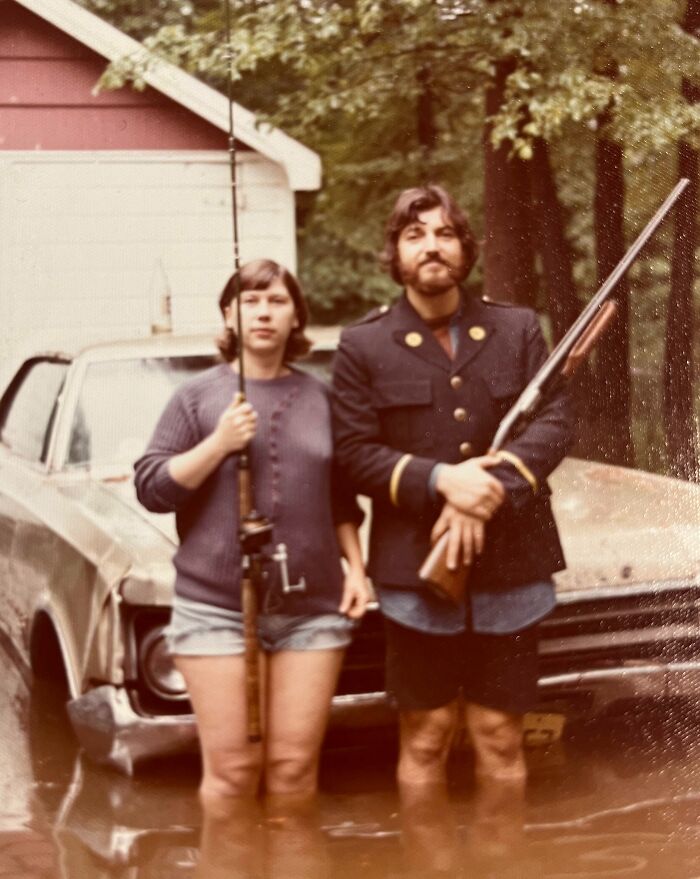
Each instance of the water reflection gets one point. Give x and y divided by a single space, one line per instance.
428 830
232 842
617 800
110 825
280 838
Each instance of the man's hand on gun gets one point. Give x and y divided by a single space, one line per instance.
472 497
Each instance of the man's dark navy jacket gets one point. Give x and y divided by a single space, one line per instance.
402 405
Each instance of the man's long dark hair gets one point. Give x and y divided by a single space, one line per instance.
415 201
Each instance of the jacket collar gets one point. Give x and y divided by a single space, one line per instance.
475 328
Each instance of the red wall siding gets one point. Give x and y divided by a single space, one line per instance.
46 100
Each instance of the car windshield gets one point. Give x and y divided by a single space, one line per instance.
120 402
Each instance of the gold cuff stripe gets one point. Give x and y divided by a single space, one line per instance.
521 467
396 474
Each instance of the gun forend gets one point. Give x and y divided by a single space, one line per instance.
588 339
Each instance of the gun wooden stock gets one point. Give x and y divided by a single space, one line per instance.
570 352
443 581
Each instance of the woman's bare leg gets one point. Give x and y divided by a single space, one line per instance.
301 684
231 764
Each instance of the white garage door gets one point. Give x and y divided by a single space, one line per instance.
90 242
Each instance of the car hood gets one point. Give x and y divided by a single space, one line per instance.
622 527
150 539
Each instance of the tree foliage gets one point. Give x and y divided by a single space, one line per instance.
392 92
347 77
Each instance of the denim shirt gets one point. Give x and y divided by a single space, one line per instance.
490 613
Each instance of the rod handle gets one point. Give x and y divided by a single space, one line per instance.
251 661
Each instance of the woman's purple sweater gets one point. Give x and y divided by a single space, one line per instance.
296 485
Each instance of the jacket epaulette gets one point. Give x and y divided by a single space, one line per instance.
488 301
371 316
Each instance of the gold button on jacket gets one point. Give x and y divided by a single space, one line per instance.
460 414
465 449
456 382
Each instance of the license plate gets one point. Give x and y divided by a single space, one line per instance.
542 728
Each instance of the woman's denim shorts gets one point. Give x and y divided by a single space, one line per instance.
198 629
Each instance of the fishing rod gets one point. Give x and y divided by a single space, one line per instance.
254 528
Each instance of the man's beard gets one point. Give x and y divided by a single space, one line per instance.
437 287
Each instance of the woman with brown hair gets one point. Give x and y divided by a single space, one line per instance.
190 467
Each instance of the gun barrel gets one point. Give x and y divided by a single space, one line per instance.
562 350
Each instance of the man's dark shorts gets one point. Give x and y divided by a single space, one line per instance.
427 671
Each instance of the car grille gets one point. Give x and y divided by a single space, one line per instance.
594 634
363 668
580 636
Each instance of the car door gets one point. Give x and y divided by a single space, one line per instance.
27 549
59 561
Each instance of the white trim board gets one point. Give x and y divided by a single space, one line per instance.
302 165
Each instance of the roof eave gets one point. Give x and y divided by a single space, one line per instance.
302 165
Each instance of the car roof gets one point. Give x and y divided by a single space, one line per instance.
169 344
127 348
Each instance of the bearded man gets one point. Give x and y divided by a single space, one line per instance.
419 390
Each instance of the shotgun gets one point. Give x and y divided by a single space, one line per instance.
567 356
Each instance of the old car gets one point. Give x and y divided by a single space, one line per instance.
86 577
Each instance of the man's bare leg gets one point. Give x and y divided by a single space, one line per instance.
425 740
497 737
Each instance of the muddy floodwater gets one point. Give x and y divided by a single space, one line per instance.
618 799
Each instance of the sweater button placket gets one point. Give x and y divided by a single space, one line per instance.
274 461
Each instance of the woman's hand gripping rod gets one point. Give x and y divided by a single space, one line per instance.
566 357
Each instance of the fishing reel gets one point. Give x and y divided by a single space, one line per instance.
256 531
280 556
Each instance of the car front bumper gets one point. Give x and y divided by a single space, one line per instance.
113 733
592 691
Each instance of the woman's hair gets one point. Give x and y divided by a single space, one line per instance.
408 205
258 275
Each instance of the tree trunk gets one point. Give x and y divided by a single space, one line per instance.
556 259
680 423
552 245
610 406
425 112
509 273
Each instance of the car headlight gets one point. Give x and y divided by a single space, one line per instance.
158 669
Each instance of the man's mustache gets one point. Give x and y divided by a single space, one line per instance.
438 261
